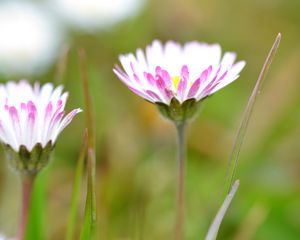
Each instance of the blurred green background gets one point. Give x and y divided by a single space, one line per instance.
136 148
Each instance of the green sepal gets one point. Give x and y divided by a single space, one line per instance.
28 162
179 112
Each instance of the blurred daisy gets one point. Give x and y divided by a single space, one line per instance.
29 40
31 118
90 15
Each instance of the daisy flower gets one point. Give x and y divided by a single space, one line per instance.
31 118
172 74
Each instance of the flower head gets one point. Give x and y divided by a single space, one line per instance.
31 118
193 71
177 77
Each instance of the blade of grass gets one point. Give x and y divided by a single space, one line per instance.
215 226
76 189
233 161
89 227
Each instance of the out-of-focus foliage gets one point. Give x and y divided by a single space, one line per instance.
136 147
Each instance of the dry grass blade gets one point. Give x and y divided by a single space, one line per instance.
89 227
62 64
87 99
247 114
214 227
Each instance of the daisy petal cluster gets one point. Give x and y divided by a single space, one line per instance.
31 115
164 72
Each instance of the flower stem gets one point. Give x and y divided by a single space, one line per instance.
27 185
181 148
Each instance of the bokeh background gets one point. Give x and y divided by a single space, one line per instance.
136 148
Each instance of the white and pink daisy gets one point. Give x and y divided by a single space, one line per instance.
31 115
164 72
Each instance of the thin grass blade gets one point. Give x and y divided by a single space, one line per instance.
76 190
233 161
89 227
215 226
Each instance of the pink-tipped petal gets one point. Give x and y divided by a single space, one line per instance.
222 77
143 95
13 113
29 135
153 95
137 79
160 84
182 85
31 120
54 123
15 120
162 88
211 89
120 71
135 76
166 78
185 72
207 90
196 85
194 88
169 94
23 106
67 120
125 79
59 103
158 71
31 107
149 78
48 112
232 74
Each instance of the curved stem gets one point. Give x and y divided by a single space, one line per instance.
27 185
181 148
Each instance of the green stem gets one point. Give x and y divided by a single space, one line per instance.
27 186
181 155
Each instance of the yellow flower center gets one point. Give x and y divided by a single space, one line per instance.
175 81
